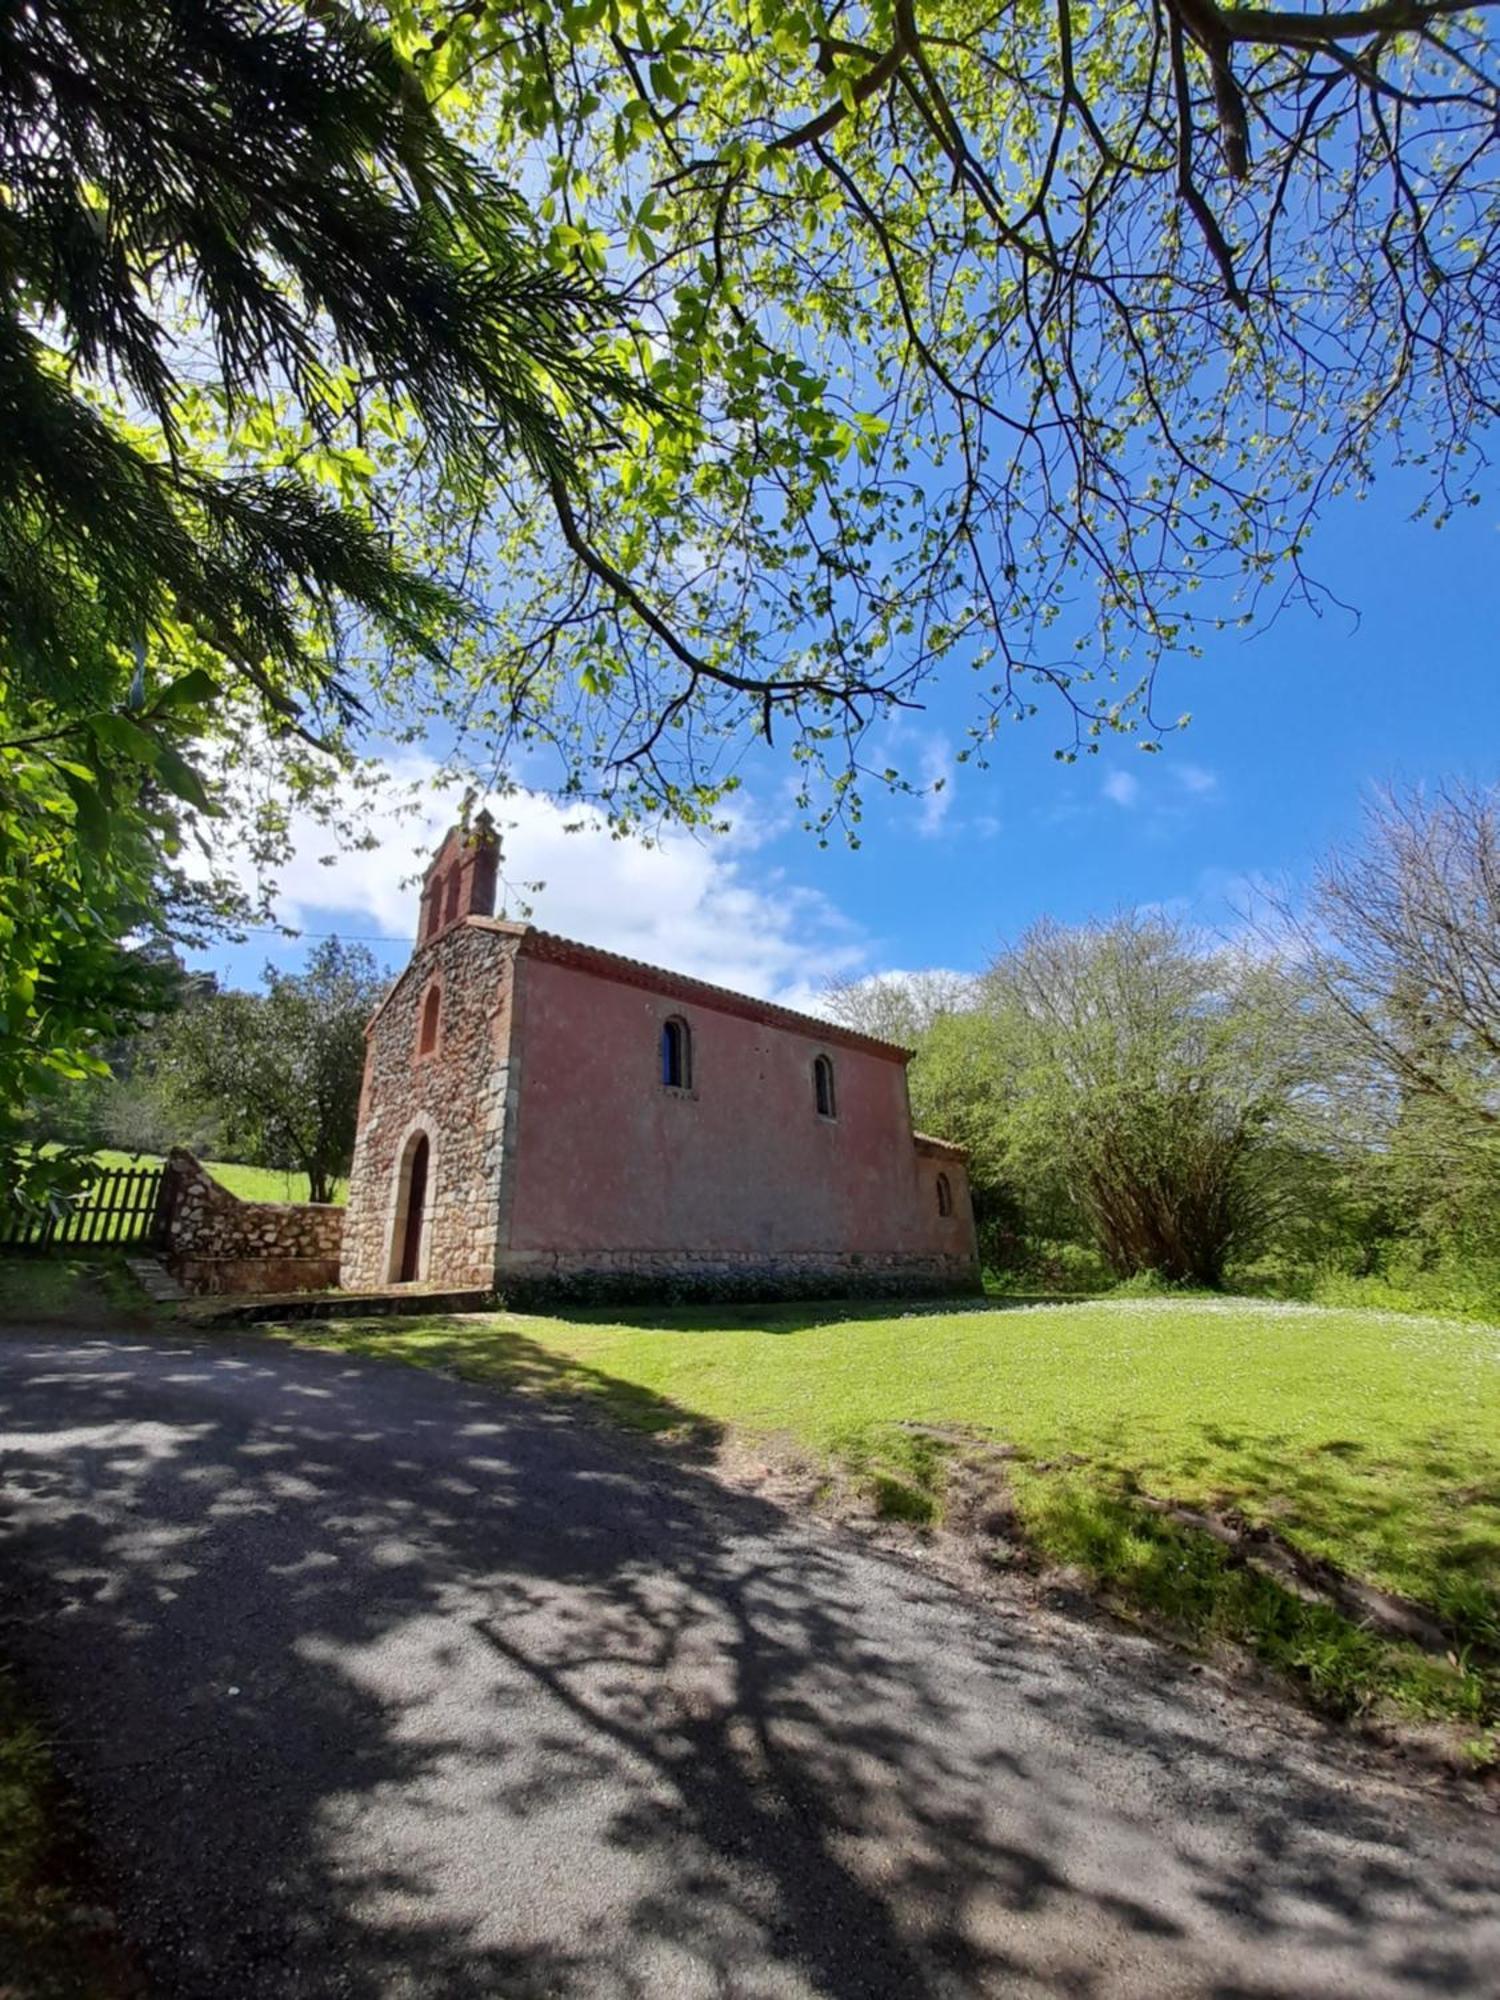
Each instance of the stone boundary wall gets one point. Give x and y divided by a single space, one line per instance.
214 1242
542 1278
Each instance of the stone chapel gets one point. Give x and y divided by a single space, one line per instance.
551 1120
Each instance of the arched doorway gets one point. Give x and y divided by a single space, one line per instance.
411 1213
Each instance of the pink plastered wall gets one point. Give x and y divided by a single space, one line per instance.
605 1158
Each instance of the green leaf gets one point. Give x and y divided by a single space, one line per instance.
190 690
90 817
117 732
180 778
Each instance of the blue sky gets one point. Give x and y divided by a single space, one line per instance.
1290 730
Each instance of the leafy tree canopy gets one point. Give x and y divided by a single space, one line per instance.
1129 1084
66 983
619 380
1017 342
279 1072
235 242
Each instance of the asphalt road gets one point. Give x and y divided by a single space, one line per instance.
375 1684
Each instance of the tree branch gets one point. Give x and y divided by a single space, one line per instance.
1319 31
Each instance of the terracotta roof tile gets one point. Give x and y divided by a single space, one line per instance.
948 1148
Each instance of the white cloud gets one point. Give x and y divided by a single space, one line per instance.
936 777
1195 778
690 904
927 764
1122 788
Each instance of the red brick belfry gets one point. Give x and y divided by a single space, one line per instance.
461 879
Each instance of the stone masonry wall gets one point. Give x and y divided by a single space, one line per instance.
454 1093
536 1279
217 1243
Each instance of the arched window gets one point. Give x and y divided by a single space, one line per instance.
823 1087
435 908
676 1055
431 1007
450 914
944 1195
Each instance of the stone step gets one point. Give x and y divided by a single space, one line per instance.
155 1280
240 1310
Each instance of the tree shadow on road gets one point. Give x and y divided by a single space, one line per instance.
482 1348
377 1684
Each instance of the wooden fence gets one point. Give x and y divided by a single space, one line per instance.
124 1205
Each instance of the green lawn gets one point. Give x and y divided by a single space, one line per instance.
74 1290
1370 1439
249 1183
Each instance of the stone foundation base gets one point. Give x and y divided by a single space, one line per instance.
534 1281
219 1275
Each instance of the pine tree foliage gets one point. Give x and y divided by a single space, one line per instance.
244 198
234 239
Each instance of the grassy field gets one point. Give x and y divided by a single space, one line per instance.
1368 1440
79 1290
249 1183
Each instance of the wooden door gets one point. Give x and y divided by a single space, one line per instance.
416 1206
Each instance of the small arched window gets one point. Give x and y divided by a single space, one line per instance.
676 1055
944 1195
450 914
823 1087
435 908
431 1008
